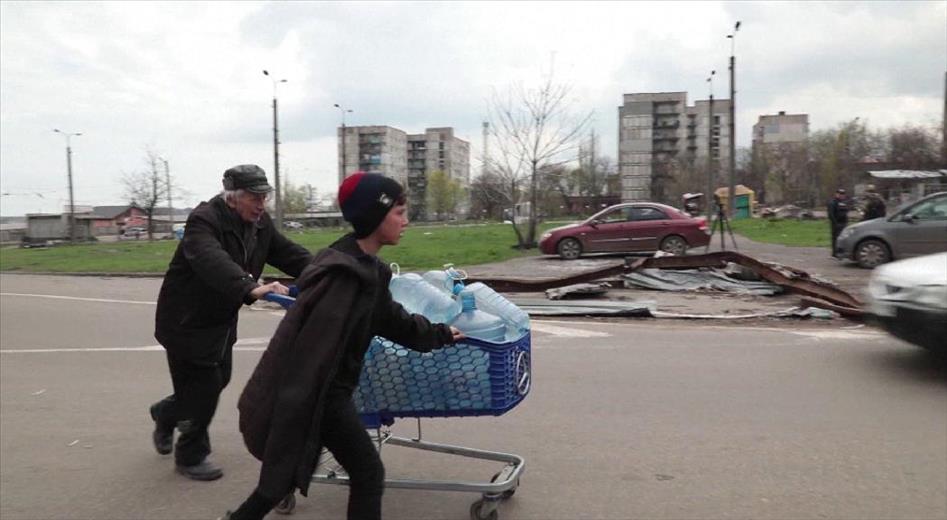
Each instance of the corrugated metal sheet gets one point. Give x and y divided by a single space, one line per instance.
908 174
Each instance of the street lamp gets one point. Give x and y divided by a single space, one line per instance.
343 110
278 203
167 180
733 102
709 197
72 202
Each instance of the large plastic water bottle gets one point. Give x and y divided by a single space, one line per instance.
494 303
446 279
420 297
476 323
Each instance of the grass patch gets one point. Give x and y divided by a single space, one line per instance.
422 247
789 232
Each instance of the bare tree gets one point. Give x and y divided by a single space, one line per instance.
147 188
487 196
534 129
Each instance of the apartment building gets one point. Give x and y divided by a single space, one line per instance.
373 149
780 158
408 158
658 132
781 128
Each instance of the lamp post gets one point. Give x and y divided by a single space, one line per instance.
72 202
167 181
343 110
278 203
709 198
733 137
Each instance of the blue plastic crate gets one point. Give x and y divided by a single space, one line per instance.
471 378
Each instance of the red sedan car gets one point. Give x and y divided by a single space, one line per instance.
625 228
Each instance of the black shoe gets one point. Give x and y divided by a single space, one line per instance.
226 516
204 470
163 438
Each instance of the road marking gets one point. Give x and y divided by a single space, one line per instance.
565 332
838 334
246 345
57 297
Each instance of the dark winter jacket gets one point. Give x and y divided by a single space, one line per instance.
213 270
874 206
343 302
838 212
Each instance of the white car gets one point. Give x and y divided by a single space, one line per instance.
909 299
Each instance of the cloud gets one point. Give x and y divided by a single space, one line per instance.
186 78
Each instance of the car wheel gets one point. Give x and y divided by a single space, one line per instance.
674 244
872 253
569 248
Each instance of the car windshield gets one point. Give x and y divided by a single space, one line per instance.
933 209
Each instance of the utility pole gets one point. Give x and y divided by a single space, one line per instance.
343 110
731 193
279 200
72 202
709 198
167 180
153 202
486 155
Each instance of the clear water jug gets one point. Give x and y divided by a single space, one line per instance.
449 280
478 324
420 297
494 303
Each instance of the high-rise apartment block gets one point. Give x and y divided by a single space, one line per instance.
407 158
659 131
781 128
780 158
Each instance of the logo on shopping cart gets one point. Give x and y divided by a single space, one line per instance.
522 373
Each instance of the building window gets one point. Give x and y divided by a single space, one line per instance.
716 120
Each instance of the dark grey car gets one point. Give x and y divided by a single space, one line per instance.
916 229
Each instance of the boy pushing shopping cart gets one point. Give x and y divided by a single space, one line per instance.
299 399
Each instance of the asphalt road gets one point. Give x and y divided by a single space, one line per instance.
644 419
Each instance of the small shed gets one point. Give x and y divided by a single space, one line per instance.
903 186
744 200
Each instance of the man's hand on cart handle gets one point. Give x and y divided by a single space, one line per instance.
272 287
458 335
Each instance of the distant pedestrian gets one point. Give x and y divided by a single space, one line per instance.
874 204
299 398
838 215
213 273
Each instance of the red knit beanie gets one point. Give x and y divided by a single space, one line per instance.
366 198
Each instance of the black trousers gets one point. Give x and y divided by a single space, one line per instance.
344 435
836 230
197 386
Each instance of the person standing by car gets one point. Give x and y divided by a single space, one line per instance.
299 398
214 271
838 215
874 204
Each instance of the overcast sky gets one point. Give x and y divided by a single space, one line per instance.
184 78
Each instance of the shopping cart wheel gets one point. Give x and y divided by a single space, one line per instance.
509 492
477 510
287 505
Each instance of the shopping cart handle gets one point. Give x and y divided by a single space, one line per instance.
282 299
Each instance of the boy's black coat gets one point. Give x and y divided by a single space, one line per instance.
343 302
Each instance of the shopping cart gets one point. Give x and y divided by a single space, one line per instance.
471 378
